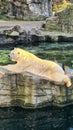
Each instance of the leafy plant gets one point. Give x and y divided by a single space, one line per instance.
60 5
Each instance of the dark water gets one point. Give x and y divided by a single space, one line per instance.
49 118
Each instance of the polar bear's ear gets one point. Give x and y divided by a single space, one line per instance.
19 53
14 48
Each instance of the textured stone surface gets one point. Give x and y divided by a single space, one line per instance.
19 9
34 36
28 90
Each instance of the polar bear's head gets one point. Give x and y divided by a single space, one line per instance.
16 54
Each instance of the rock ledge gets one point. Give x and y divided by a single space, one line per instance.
31 91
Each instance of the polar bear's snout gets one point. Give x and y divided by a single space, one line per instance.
9 55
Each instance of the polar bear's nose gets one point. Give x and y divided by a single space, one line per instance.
8 55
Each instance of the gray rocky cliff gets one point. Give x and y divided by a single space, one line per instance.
21 8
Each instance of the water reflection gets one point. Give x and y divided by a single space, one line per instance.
71 128
49 118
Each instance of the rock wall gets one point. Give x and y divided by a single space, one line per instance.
21 8
31 91
3 6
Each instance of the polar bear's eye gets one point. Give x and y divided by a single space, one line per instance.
12 54
18 52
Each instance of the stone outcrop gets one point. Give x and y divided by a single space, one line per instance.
21 8
31 91
62 21
19 36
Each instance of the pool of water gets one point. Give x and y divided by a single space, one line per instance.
49 118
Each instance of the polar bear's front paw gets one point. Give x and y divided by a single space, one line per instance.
67 81
1 73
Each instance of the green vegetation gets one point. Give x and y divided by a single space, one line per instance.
61 53
26 18
60 5
4 57
3 17
62 22
33 18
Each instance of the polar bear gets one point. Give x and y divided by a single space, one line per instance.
29 62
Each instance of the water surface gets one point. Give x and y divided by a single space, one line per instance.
49 118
